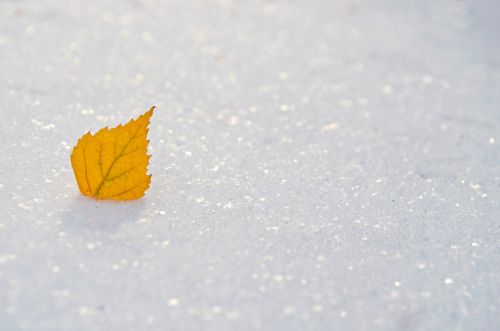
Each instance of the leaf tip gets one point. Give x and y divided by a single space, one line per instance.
149 113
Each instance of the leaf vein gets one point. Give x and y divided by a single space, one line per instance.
86 172
127 190
100 158
123 173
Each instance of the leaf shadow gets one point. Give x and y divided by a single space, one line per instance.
99 215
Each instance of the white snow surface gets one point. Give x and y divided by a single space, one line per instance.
316 165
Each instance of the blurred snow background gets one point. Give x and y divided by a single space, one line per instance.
317 165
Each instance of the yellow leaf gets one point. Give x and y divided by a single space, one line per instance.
112 163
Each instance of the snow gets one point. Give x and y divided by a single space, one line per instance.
317 165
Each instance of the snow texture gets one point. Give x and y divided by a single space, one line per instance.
317 165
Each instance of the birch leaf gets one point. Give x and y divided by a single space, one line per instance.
112 164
